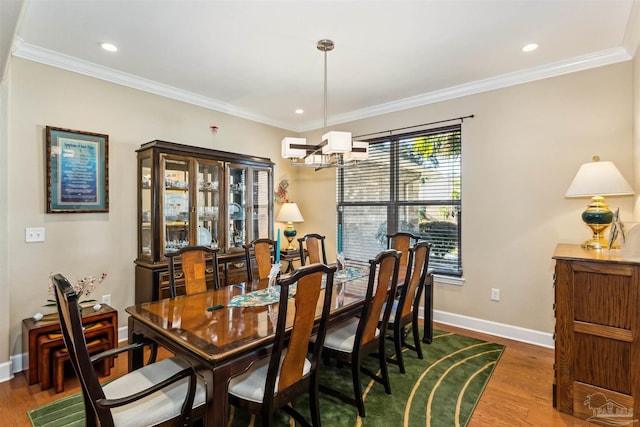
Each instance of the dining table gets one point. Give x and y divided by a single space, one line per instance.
221 332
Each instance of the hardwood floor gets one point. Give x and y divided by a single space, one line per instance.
518 394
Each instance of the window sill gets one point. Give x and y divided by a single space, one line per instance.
448 280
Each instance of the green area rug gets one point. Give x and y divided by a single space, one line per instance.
441 390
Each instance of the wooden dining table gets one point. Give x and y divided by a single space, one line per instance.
222 340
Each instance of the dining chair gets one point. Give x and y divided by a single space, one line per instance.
263 251
167 393
406 308
193 263
312 246
402 241
274 381
350 341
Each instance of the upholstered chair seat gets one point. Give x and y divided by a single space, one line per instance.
250 385
342 337
158 407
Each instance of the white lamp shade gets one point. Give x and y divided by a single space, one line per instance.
352 156
295 153
336 142
598 179
289 212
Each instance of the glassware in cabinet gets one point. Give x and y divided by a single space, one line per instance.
209 176
237 204
176 205
145 209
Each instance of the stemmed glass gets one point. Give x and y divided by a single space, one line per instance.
341 268
273 275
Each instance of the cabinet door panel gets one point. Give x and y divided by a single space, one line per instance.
208 201
236 209
175 203
261 201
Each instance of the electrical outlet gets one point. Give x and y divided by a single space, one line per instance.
106 299
495 294
32 235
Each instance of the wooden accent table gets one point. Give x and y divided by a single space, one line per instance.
32 330
597 333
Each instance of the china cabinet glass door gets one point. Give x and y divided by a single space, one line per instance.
261 199
145 239
208 203
175 202
236 209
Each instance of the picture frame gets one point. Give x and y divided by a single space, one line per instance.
77 171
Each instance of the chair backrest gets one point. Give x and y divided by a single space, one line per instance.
383 281
417 272
309 292
73 336
194 268
402 241
262 249
314 249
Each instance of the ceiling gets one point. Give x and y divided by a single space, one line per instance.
258 59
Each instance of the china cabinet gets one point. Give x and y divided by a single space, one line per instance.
197 196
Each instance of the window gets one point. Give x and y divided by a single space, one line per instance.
410 182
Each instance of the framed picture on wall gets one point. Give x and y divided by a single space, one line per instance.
77 174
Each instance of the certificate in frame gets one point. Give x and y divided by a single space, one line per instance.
77 171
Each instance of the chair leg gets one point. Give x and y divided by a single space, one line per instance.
314 403
383 369
267 418
398 338
357 387
416 339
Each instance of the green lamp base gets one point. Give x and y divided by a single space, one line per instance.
290 233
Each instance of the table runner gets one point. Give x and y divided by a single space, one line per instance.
263 297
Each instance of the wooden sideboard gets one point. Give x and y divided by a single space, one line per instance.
597 342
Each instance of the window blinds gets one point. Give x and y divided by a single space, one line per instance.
410 182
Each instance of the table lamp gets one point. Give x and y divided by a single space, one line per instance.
289 213
596 180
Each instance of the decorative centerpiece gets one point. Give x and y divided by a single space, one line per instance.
280 195
84 287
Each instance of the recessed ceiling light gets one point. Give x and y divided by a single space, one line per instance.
529 47
109 47
299 111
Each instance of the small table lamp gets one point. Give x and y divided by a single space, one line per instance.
289 213
597 179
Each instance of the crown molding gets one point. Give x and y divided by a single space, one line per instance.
70 63
580 63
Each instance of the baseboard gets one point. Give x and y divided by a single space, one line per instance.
5 371
516 333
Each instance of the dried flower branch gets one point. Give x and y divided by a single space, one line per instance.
84 287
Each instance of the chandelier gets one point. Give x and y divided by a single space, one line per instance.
337 149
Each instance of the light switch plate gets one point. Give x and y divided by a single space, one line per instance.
33 235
